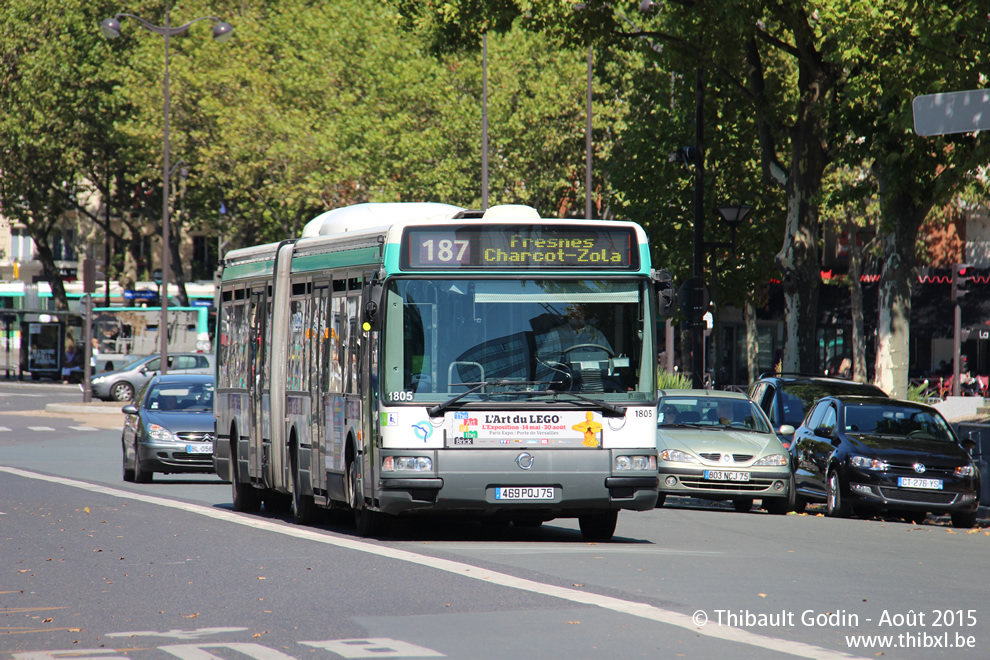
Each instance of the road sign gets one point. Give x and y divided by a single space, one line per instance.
140 294
952 112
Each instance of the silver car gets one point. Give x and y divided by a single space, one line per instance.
121 384
170 428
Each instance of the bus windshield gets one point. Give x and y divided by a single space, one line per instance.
517 339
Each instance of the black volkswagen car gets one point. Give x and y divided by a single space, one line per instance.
879 454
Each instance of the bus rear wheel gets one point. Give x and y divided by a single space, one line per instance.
303 506
246 498
366 522
598 526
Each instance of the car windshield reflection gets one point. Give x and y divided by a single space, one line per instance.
866 419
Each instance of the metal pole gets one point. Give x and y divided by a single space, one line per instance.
587 157
697 324
163 297
106 246
88 353
956 349
484 122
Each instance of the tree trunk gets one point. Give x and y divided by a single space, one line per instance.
752 341
51 273
856 304
903 218
798 259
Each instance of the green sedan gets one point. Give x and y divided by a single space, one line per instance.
720 446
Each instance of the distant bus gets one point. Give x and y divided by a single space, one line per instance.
403 359
121 332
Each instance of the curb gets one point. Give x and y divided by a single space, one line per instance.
85 408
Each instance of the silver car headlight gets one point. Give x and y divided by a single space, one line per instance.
161 434
98 380
772 459
677 456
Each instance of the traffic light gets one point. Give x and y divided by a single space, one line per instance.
961 275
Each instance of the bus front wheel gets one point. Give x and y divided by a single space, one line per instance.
598 526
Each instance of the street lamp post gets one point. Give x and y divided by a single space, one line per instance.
221 32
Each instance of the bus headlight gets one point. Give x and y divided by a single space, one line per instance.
626 463
407 463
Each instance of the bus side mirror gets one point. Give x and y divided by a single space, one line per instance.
372 307
665 292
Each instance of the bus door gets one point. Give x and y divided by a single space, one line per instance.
353 384
318 384
258 383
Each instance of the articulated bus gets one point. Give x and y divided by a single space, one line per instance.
420 358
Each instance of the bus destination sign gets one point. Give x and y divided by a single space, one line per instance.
545 247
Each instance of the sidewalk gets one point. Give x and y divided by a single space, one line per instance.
93 407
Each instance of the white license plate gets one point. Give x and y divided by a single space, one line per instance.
913 482
203 448
524 493
720 475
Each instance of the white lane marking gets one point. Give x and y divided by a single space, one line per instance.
632 608
177 634
374 647
200 652
84 428
567 548
40 428
4 429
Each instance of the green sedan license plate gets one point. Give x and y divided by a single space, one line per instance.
721 475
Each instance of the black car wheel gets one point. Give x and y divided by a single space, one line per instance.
780 506
836 505
963 519
128 471
141 476
122 391
742 504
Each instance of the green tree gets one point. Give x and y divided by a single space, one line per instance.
893 52
53 90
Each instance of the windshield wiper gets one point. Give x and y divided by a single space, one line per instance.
440 408
608 409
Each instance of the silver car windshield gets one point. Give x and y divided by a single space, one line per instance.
517 338
169 397
712 411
